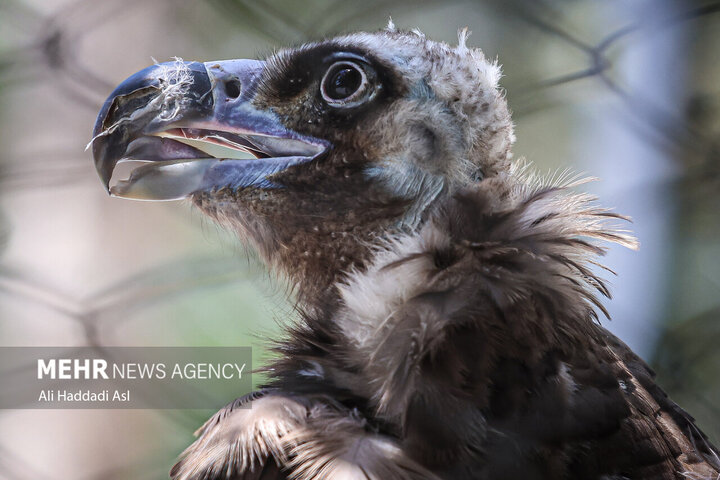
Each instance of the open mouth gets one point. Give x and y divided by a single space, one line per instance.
183 161
220 144
208 142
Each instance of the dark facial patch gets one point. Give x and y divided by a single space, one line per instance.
291 88
288 74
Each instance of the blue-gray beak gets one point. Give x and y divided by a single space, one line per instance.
196 129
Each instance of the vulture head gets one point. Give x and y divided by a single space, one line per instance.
315 153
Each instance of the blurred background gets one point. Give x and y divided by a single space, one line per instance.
625 90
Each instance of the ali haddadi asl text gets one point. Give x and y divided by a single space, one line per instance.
62 395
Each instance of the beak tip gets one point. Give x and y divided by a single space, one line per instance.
110 140
104 173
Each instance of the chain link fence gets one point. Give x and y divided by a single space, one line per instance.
628 91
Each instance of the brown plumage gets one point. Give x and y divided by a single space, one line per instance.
447 298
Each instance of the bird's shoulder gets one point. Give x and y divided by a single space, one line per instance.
656 424
613 419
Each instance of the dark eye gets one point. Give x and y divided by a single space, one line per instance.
345 84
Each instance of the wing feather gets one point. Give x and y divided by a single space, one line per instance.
272 436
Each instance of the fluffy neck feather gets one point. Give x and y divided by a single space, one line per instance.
506 260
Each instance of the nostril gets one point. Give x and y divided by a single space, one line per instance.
232 88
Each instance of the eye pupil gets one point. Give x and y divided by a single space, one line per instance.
344 83
348 84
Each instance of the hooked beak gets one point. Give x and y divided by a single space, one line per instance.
194 127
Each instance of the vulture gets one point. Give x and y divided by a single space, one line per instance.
447 298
